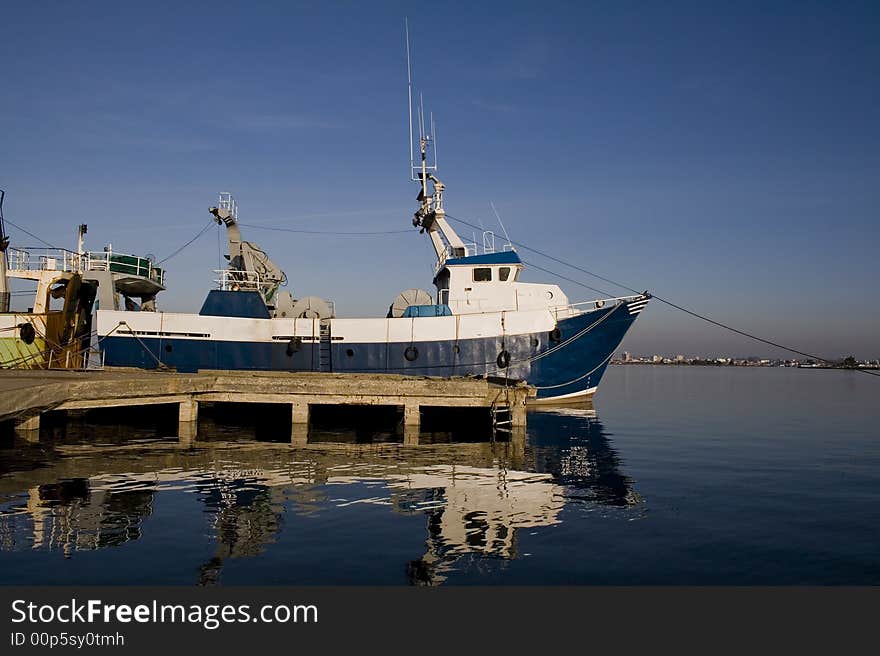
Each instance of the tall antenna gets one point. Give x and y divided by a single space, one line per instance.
409 98
419 168
501 223
422 134
434 140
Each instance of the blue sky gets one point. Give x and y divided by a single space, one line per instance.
723 155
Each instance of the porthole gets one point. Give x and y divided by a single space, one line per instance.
168 348
456 349
535 342
349 352
411 353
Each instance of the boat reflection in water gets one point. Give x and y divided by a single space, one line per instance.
68 495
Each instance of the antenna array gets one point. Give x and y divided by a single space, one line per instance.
427 144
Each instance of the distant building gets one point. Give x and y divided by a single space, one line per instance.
657 359
627 356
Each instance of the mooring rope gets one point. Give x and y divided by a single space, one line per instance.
131 331
579 378
659 298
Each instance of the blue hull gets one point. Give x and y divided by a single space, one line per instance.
564 364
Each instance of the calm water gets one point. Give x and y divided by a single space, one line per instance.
691 475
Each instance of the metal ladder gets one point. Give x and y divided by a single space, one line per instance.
502 415
324 360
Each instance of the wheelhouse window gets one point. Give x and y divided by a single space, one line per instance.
482 274
503 274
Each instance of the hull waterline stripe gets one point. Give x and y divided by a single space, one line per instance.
564 397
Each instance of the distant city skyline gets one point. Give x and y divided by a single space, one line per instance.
726 157
626 357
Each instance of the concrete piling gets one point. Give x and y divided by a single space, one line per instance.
28 424
189 411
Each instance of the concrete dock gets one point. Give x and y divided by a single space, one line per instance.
26 394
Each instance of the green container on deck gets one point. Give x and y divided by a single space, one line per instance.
135 266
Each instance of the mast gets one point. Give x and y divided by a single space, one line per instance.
4 244
81 231
430 217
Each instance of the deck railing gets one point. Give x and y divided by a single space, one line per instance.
60 259
123 263
42 259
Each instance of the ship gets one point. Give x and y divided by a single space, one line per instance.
481 319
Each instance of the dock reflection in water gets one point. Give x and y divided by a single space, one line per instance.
68 495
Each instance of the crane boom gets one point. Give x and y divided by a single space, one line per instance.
249 264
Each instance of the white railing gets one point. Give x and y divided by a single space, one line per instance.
584 306
60 259
601 302
227 202
488 241
472 248
236 280
116 262
42 259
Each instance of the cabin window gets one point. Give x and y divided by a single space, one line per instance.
503 273
482 274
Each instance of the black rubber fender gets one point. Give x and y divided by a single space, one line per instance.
293 346
27 333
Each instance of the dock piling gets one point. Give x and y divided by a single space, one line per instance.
188 421
518 413
299 424
411 414
189 411
29 424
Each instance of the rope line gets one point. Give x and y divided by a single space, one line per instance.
198 234
579 378
572 280
551 257
30 234
325 232
661 299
